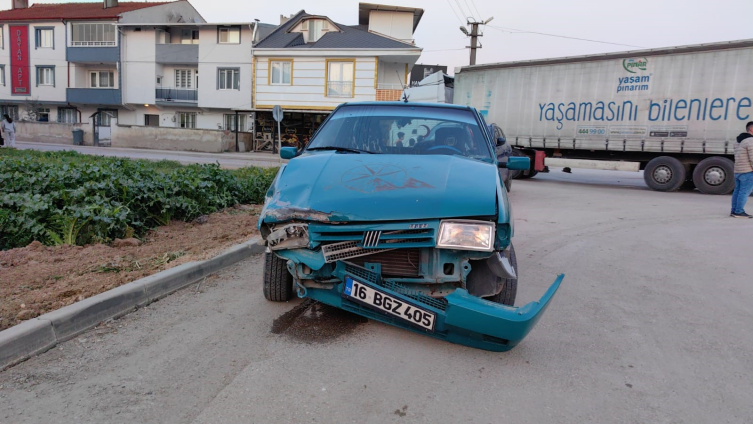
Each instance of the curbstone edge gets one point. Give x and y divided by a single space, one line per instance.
29 338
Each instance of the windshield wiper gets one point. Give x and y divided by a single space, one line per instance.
340 149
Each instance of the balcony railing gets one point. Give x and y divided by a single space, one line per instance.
177 95
340 89
93 44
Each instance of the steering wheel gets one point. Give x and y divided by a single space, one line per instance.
444 147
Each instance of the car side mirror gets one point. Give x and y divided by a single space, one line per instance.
288 152
501 141
516 163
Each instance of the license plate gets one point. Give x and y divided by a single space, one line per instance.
383 302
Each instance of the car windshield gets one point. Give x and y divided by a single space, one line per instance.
404 130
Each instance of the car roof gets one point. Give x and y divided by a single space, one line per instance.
410 104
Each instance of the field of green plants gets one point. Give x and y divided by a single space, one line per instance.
70 198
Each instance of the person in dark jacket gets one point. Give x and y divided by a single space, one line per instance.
743 172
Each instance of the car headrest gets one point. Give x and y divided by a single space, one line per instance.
451 136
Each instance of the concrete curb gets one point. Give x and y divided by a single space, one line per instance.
40 334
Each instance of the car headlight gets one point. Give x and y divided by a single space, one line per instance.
466 235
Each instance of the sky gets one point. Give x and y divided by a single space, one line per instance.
639 23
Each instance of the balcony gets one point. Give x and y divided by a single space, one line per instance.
94 96
388 92
178 54
92 54
177 96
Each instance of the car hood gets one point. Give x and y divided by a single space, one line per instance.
343 187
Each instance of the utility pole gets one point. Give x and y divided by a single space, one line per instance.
474 40
474 34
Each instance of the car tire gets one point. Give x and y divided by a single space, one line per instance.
278 283
508 184
664 173
510 285
523 175
715 175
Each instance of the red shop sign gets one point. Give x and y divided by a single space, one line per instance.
19 60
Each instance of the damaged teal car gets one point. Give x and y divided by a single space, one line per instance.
397 212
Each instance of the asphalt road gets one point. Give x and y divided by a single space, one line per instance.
226 160
652 324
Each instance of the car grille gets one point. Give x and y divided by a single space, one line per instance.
395 263
375 239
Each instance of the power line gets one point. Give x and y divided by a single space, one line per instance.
456 13
471 11
442 50
520 31
461 8
474 6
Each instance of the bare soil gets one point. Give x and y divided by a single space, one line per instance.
38 279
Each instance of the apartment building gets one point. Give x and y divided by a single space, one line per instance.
64 62
310 64
189 75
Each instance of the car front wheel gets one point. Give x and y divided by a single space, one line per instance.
278 283
509 285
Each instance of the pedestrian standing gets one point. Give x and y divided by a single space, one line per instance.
743 172
9 129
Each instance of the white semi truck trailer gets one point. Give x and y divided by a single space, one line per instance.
673 112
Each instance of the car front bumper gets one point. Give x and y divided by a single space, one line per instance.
460 317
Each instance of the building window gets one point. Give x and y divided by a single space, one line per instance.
229 35
45 38
2 37
187 119
67 115
88 35
151 120
10 110
340 78
2 71
230 122
43 115
45 75
228 79
159 81
315 27
281 72
189 36
183 78
102 79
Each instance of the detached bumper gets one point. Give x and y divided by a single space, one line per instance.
460 317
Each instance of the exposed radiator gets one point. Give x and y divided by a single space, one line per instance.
395 263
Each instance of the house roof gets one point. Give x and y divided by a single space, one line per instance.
71 11
348 37
364 10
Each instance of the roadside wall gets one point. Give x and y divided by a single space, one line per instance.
182 139
52 132
141 137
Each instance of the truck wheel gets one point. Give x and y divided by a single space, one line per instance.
278 283
523 175
510 286
664 173
715 175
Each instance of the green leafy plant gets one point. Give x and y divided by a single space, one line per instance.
69 198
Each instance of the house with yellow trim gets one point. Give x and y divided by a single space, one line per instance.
311 64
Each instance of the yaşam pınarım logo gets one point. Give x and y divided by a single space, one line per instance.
634 65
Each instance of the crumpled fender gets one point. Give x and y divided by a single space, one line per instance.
513 324
466 319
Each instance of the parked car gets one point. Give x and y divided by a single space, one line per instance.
418 236
503 152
